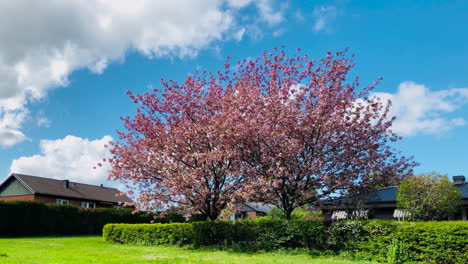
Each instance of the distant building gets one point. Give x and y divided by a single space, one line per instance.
382 204
32 188
250 210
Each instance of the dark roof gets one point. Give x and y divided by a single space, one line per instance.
257 207
388 194
54 187
463 189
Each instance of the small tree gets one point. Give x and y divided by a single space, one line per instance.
305 131
429 197
173 152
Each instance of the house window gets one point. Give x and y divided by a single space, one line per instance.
61 201
88 205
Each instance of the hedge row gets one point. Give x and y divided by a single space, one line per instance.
377 240
400 242
264 234
29 218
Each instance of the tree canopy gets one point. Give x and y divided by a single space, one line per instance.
430 196
284 130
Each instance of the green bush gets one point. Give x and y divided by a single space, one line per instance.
32 218
149 234
248 235
436 242
260 234
377 240
397 253
398 242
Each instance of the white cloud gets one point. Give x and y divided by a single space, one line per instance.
70 158
420 110
323 16
43 42
10 137
43 121
269 14
299 16
13 114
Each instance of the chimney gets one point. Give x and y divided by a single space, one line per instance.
102 185
66 183
459 179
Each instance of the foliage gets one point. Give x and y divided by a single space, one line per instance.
28 218
307 132
248 235
260 234
429 197
84 250
284 130
305 213
436 242
149 234
275 213
376 240
379 240
300 213
174 149
397 253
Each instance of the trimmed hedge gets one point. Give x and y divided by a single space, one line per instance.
32 218
149 234
377 240
399 242
248 235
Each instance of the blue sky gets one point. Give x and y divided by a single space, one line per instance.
65 67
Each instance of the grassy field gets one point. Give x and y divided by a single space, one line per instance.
92 250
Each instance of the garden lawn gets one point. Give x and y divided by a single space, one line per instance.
93 250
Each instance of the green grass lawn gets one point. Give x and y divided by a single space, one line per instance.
93 250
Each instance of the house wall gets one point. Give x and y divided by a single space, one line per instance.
28 197
76 202
52 200
382 213
251 214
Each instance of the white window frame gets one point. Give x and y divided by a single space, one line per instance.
88 205
62 202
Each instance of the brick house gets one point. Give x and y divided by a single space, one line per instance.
382 204
250 210
32 188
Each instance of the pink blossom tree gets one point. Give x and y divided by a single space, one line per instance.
173 151
306 133
284 130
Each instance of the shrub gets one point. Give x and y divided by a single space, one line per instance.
248 235
397 253
436 242
149 234
32 218
260 234
429 197
379 240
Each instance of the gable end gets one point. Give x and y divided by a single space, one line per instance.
13 187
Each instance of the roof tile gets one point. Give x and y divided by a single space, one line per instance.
75 190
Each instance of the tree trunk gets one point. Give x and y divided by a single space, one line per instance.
213 216
287 212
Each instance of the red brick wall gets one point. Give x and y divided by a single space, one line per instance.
251 214
27 197
51 200
75 202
